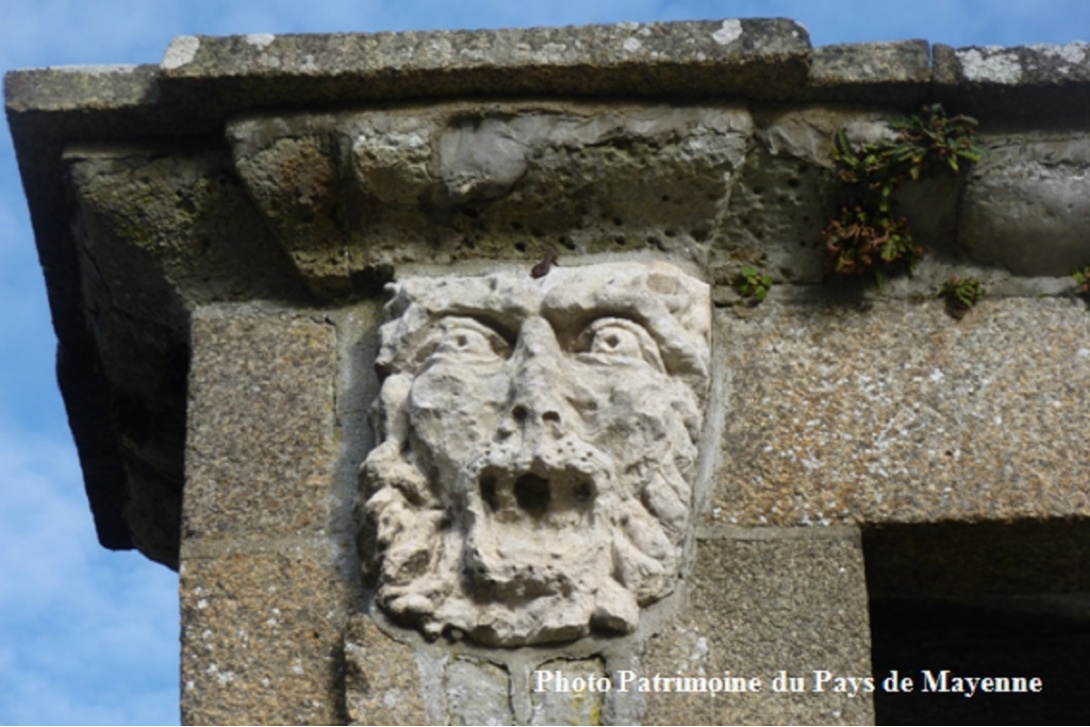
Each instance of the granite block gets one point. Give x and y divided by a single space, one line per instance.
261 449
891 411
762 602
262 627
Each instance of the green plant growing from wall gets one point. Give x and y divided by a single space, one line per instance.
1082 280
961 294
869 235
752 285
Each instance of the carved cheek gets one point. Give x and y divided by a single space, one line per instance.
453 409
636 407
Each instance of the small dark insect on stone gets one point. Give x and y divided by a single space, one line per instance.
542 268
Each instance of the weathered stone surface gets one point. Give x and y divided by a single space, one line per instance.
762 601
552 706
1027 205
261 443
514 147
897 73
894 413
349 195
1024 65
764 58
144 220
524 490
1045 83
476 693
262 628
382 680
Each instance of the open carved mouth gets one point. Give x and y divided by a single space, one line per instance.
536 495
531 527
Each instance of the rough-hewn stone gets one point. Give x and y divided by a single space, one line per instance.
1027 204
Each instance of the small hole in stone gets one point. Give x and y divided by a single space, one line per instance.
618 221
488 491
519 413
551 416
520 246
620 240
532 494
583 491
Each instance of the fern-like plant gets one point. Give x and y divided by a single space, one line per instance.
868 235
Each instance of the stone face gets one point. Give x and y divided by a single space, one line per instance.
526 489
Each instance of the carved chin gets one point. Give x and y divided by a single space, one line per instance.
537 548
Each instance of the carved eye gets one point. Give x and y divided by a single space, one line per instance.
466 338
618 338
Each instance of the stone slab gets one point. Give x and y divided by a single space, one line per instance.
1049 83
1030 187
262 629
261 449
897 73
763 58
382 680
891 411
762 601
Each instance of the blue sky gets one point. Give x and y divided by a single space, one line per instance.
89 636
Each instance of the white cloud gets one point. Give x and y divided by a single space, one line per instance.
88 636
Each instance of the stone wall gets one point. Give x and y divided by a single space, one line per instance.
218 232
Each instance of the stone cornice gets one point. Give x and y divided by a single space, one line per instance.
76 127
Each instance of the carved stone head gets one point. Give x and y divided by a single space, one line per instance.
538 445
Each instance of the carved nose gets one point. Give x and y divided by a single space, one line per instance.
538 378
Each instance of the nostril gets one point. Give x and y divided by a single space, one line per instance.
584 492
551 416
519 413
532 494
488 491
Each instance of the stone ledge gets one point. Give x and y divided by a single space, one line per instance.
759 57
1050 83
